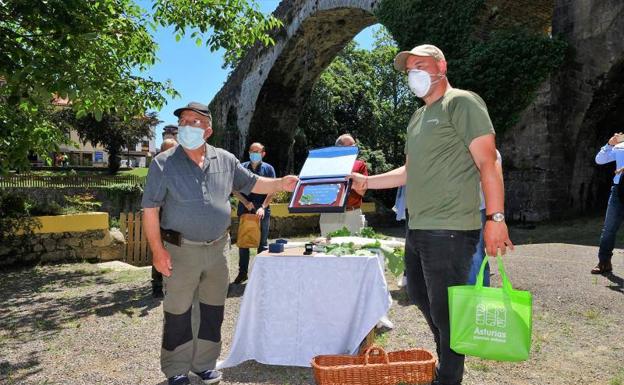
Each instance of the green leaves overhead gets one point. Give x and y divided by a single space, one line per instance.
89 52
504 61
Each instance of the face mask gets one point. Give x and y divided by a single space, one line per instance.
419 82
191 137
255 157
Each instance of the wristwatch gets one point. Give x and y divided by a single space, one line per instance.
496 217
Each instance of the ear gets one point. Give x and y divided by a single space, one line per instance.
442 67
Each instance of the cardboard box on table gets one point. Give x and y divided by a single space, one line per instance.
324 185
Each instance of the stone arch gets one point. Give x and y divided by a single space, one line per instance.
270 86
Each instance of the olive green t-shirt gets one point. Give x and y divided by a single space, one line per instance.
442 178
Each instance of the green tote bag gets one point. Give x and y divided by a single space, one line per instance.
491 323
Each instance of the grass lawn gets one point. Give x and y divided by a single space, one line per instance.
139 171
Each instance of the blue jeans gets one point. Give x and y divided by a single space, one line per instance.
478 257
243 254
613 220
435 260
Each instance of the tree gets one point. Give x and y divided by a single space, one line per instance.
360 93
89 52
110 131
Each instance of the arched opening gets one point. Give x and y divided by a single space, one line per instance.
291 79
604 117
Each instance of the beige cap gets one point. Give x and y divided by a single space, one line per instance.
421 50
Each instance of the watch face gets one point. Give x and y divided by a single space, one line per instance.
498 217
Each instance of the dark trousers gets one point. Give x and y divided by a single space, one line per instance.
613 220
435 260
243 254
157 279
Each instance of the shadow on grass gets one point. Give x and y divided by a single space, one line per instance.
618 281
40 303
400 295
8 370
253 372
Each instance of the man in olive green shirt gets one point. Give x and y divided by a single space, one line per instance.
450 147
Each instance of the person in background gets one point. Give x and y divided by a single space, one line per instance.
352 218
170 131
259 204
157 279
613 151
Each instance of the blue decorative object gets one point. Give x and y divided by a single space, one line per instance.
276 247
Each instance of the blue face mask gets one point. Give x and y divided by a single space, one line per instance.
191 137
255 157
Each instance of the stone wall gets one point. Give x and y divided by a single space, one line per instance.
92 245
548 158
113 204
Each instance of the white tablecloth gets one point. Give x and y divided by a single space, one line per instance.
295 308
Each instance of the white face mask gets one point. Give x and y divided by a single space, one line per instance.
191 137
419 82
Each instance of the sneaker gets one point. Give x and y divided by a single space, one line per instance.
240 278
180 379
210 376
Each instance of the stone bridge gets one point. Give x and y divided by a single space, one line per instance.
264 95
547 157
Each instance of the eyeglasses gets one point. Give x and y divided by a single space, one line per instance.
192 122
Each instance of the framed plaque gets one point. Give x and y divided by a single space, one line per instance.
323 182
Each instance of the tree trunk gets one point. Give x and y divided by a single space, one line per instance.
114 160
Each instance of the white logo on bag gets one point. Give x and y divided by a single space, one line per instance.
488 316
491 316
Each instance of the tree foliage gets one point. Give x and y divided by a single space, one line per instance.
110 131
90 52
505 66
361 94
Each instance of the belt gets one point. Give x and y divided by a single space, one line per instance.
204 243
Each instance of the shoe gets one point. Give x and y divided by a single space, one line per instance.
240 278
180 379
602 268
157 292
210 376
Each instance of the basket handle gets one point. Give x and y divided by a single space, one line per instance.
377 349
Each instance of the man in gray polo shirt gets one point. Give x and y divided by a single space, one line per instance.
191 184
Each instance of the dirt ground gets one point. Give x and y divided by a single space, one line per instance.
83 324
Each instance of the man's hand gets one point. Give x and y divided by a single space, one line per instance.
289 182
496 238
359 181
162 261
614 139
260 212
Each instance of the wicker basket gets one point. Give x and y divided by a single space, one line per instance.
375 367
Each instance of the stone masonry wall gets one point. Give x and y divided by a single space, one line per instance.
95 245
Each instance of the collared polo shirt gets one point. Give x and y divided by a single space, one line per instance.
195 201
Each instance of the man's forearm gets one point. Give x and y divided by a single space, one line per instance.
240 197
267 185
267 200
151 227
390 179
493 189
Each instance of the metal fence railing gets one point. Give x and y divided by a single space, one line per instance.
52 181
